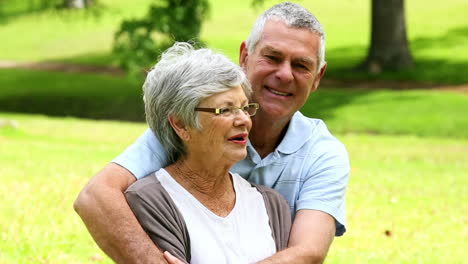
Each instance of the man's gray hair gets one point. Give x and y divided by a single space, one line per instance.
182 78
292 15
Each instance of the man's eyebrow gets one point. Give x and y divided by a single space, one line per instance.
272 50
306 60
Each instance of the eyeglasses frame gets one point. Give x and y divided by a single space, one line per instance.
217 111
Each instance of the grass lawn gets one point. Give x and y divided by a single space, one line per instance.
390 112
409 187
416 112
408 149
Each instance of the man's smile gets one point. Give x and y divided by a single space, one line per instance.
277 92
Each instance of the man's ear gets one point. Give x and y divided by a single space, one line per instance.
320 74
179 127
243 54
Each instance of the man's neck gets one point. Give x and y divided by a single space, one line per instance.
267 133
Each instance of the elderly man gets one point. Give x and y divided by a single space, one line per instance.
284 59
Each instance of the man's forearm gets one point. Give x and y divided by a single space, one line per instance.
105 212
294 255
311 235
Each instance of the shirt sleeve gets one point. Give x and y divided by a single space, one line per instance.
144 156
324 187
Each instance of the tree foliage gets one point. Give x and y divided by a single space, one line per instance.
139 42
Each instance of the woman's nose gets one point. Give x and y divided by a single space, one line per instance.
241 118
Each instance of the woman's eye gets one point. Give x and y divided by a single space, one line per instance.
225 110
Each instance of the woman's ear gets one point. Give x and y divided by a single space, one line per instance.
179 127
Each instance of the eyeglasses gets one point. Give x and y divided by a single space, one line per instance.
250 110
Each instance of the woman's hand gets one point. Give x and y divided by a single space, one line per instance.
171 259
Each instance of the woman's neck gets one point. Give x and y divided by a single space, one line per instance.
214 188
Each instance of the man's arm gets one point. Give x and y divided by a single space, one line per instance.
311 235
104 210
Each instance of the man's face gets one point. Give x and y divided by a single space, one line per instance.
283 69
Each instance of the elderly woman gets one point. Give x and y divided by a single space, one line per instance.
196 103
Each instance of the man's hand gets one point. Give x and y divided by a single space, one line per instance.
104 210
311 235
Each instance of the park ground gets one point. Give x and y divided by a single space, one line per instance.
66 110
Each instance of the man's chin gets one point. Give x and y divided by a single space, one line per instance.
277 112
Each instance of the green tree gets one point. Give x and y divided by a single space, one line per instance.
139 42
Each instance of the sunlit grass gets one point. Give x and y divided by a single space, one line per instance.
64 34
404 201
410 187
410 112
43 165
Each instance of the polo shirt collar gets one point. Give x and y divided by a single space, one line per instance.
298 133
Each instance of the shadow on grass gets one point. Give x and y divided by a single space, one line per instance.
6 17
112 108
107 97
70 94
106 59
323 103
344 110
130 108
12 10
343 61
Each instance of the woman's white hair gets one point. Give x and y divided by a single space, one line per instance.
182 78
292 15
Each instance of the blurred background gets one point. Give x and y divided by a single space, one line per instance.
395 93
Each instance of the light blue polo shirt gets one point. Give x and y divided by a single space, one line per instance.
310 167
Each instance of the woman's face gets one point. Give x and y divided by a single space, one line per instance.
223 137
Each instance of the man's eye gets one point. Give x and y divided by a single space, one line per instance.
272 58
302 66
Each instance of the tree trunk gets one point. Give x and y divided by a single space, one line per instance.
77 3
389 44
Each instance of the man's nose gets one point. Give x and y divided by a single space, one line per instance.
284 72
